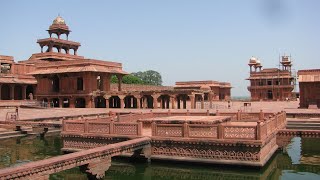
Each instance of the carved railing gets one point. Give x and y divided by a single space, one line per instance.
134 117
39 169
102 128
261 130
271 125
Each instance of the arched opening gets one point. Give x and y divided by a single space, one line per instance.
199 101
71 51
147 102
55 83
55 49
100 102
55 102
17 92
66 103
5 92
130 102
66 50
29 92
114 102
80 103
182 101
164 101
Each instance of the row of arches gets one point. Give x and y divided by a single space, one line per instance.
64 102
164 101
15 92
60 49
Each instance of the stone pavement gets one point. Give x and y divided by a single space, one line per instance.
289 107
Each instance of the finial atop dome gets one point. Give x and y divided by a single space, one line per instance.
59 20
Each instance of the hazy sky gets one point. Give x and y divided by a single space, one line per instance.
182 39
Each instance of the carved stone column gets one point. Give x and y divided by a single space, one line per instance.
202 101
172 99
24 92
107 100
192 98
119 82
71 102
122 101
155 101
60 102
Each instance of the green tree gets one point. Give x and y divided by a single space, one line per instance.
127 79
149 77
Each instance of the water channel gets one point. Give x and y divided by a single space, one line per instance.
300 160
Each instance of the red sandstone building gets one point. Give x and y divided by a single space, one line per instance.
271 83
15 83
60 76
309 85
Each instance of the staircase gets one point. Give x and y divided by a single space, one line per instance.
303 124
10 134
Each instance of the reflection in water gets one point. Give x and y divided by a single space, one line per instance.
301 160
16 151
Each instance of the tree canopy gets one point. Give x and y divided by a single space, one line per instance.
149 77
127 79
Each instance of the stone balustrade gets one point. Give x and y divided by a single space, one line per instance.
102 127
260 130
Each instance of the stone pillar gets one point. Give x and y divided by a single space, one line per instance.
119 82
107 101
122 101
0 91
155 101
202 101
192 97
24 92
72 102
210 100
60 102
172 99
92 104
12 92
138 102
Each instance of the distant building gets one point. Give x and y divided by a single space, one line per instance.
60 77
271 83
309 85
15 83
218 90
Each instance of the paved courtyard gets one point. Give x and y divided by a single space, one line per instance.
25 113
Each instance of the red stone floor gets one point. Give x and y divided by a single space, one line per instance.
255 106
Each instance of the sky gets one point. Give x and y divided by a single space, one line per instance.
183 40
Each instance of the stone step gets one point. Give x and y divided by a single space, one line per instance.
302 124
9 133
304 127
12 136
305 122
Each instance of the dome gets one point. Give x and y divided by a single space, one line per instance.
258 61
205 87
59 20
253 60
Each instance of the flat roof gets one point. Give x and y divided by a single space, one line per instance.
188 119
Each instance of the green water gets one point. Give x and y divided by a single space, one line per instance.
300 160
